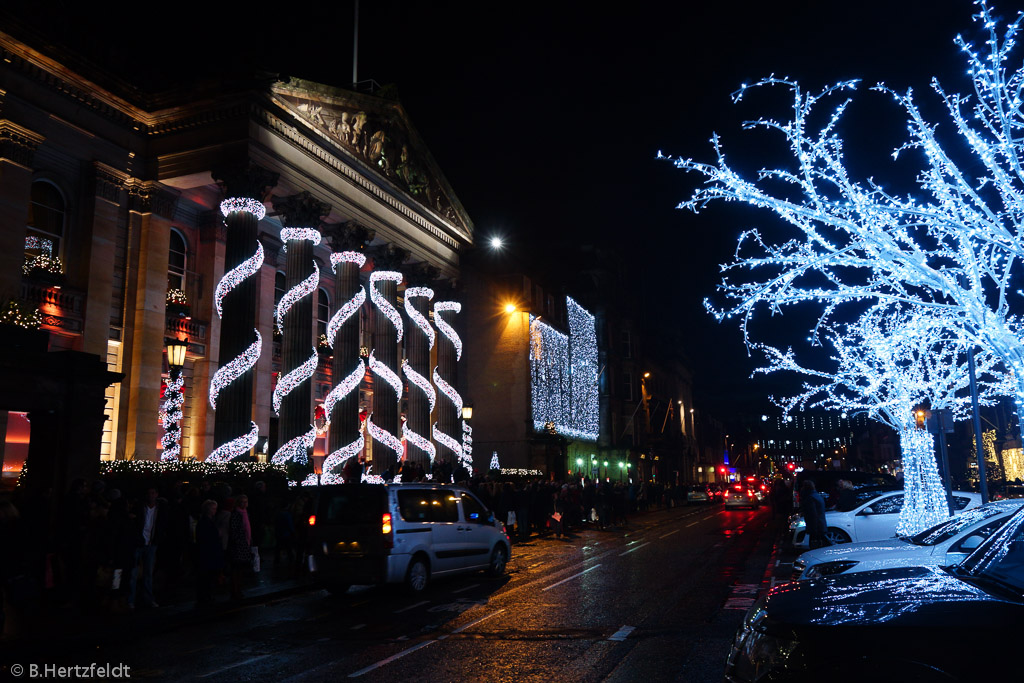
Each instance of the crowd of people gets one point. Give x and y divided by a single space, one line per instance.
101 547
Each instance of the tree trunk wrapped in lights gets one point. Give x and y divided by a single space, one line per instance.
954 246
235 301
885 364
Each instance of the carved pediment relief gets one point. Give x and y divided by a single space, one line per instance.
376 132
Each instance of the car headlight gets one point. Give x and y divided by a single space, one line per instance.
817 571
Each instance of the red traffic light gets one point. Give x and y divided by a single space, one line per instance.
721 470
790 466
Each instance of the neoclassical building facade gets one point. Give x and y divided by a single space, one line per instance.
298 236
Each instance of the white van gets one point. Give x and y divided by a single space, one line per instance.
401 533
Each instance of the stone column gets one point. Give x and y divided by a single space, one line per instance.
420 337
388 331
293 395
150 209
448 425
107 204
17 148
345 440
245 188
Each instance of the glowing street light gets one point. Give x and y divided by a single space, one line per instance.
497 243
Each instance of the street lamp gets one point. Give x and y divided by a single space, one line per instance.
173 399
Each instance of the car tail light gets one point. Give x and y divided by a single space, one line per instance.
385 528
312 520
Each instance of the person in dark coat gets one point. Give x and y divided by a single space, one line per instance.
239 545
812 507
209 554
149 529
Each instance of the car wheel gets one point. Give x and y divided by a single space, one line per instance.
417 576
836 536
499 558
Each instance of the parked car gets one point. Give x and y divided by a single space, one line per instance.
741 495
925 624
873 518
401 533
698 493
942 545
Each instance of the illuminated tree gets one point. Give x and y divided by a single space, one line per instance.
954 246
885 364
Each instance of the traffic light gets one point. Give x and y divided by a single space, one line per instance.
721 470
790 466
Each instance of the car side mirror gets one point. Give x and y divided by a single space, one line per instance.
971 542
867 511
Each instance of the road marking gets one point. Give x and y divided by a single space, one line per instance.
622 633
474 623
693 523
358 626
463 590
670 533
236 664
632 549
572 577
390 659
418 604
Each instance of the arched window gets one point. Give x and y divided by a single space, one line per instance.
176 261
44 234
323 312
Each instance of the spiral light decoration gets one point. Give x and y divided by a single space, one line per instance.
383 304
235 447
349 308
234 277
227 374
339 391
420 382
467 445
173 400
447 441
449 391
286 384
310 234
384 436
417 317
292 296
246 204
295 449
446 329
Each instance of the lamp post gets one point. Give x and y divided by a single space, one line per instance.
173 399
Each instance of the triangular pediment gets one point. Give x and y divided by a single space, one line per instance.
377 132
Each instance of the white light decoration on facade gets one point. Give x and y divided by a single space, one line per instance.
418 318
953 245
419 441
448 390
235 276
386 374
467 445
246 204
563 375
235 368
40 243
350 307
368 478
236 447
420 382
288 383
384 436
447 441
338 458
444 328
383 304
306 234
495 465
293 295
173 400
296 449
343 388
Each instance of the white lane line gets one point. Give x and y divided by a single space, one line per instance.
358 626
632 549
693 523
572 577
236 664
474 623
622 633
418 604
670 533
462 590
390 659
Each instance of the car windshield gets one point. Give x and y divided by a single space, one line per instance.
943 531
1001 557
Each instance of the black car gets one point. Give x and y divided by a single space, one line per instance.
907 624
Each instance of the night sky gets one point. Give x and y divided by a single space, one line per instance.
546 118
